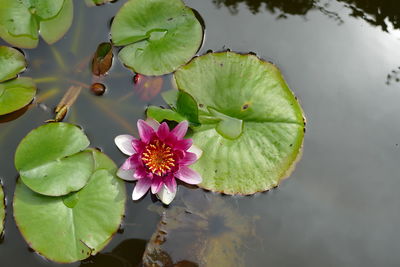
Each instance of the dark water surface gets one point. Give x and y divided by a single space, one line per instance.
338 208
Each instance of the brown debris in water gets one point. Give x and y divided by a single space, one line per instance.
66 102
206 231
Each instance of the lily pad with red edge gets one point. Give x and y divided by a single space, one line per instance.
51 160
20 21
257 134
158 35
73 227
2 209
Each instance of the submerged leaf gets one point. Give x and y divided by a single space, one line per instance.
74 227
148 87
16 94
12 62
50 161
102 59
159 35
260 128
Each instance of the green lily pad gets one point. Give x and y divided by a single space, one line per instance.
21 20
53 29
16 94
260 128
159 35
73 227
50 161
2 209
12 62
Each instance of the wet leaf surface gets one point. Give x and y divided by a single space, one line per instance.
12 62
102 59
51 160
16 94
259 128
158 35
73 227
204 231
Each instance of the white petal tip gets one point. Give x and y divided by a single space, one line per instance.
166 196
124 143
196 150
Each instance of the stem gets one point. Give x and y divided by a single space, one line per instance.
59 59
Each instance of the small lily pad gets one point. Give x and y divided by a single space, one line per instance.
258 134
73 227
12 62
50 161
2 210
16 94
159 35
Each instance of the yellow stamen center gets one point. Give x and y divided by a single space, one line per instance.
158 157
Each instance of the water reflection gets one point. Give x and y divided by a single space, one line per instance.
384 14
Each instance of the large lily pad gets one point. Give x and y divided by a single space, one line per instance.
159 35
16 94
2 210
71 228
20 21
50 161
12 62
259 130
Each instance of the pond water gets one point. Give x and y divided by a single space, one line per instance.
339 207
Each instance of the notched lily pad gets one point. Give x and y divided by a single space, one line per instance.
12 62
20 21
73 227
258 127
102 59
50 161
158 35
16 94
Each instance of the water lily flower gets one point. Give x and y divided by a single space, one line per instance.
157 158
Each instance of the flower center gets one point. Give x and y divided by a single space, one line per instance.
158 157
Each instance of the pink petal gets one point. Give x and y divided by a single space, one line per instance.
183 144
165 195
138 145
156 185
196 150
126 175
188 175
132 162
146 132
171 184
142 186
163 131
124 143
188 159
140 173
153 123
180 130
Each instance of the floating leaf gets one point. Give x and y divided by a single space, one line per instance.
98 2
102 59
53 29
160 114
159 35
242 89
20 21
76 226
186 105
12 62
50 161
2 209
16 94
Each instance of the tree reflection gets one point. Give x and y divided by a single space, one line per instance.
382 13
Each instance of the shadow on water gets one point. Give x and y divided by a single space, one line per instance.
383 14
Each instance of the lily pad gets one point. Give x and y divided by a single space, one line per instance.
2 210
16 94
12 62
260 128
74 227
50 161
20 21
159 35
